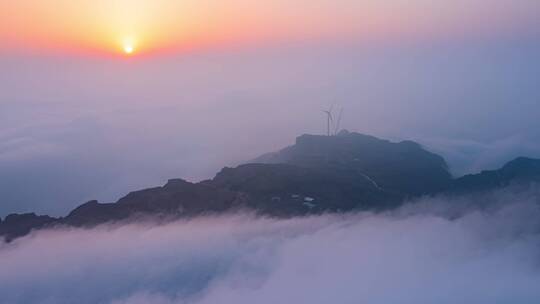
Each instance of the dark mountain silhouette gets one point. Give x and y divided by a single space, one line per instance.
317 174
520 170
401 168
287 190
17 225
176 198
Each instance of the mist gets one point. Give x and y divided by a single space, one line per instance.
102 127
432 250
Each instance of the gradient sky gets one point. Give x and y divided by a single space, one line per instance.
215 83
106 26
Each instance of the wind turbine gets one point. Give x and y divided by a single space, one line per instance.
330 119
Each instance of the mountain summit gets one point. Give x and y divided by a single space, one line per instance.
403 168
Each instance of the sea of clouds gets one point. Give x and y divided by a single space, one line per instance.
433 250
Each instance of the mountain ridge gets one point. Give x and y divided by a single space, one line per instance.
349 171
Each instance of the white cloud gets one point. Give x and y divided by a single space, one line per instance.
412 255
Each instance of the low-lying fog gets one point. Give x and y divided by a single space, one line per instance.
434 250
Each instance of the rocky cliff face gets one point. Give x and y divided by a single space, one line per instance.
318 174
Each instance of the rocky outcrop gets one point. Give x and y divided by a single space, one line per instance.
17 225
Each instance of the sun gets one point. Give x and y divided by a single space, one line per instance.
129 49
128 44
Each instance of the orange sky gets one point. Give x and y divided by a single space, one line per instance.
149 25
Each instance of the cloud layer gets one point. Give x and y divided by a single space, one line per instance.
432 251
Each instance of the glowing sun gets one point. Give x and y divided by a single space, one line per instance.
129 44
129 49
